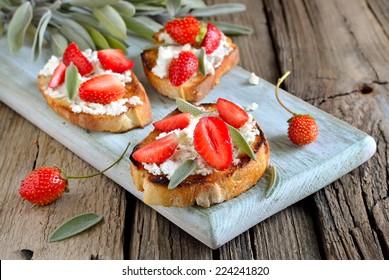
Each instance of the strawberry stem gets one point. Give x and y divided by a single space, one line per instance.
102 171
280 80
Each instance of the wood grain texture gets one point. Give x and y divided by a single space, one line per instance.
338 53
25 228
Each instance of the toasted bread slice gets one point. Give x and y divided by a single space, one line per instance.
198 86
202 190
136 116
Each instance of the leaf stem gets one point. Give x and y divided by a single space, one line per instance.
280 80
102 171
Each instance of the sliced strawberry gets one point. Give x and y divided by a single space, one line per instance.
212 140
168 124
212 39
231 113
183 67
73 55
102 89
58 76
115 60
157 151
184 30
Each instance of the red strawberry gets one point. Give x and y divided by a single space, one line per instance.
157 151
102 89
231 113
212 39
183 67
115 60
168 124
73 55
43 185
58 76
212 140
303 129
184 30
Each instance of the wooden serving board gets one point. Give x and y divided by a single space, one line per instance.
303 170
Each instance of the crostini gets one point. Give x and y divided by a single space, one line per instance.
188 59
106 94
197 156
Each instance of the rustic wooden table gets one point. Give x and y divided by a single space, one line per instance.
338 52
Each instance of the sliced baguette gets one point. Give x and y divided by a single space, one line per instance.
197 189
136 116
197 87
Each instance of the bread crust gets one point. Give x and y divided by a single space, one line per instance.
202 190
136 116
198 86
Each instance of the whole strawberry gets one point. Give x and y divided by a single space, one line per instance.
303 128
183 67
43 185
184 30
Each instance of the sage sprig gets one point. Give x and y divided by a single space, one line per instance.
274 181
71 80
181 173
75 226
185 106
239 140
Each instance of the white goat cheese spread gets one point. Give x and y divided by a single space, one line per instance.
167 53
186 150
254 79
252 107
114 108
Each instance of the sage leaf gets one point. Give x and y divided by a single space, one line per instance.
71 80
185 106
18 26
274 181
233 29
181 173
202 58
90 3
124 8
239 140
75 32
98 38
116 44
75 226
1 29
39 35
172 6
138 27
112 20
58 43
143 10
218 9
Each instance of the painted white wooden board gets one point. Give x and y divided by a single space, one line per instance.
303 170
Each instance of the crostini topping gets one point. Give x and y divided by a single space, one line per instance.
115 60
168 124
158 151
72 54
212 140
102 89
183 67
212 39
58 76
231 113
184 30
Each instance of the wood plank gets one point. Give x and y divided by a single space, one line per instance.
337 51
25 228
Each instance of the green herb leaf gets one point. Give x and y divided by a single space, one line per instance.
143 10
90 3
151 47
112 20
75 32
232 29
182 173
185 106
75 226
125 8
139 27
18 26
274 181
218 9
58 43
193 3
239 140
39 34
202 58
116 44
172 6
98 38
71 80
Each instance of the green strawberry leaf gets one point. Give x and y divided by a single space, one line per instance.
239 140
182 173
75 226
71 80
